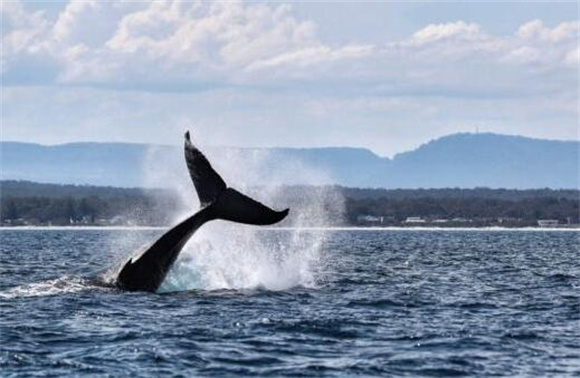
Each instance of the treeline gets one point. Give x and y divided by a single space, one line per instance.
93 210
30 203
461 211
27 203
458 193
13 188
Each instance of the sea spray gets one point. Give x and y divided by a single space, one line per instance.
163 168
224 255
229 257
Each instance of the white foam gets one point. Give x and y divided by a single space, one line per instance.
66 284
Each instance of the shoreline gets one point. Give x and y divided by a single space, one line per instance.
350 229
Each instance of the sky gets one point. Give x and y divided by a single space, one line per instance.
383 75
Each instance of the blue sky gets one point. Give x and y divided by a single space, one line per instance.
382 75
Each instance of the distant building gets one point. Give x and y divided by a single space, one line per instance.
414 220
369 219
548 222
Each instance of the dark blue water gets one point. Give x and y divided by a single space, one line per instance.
385 303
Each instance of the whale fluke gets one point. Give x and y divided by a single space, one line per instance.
228 203
147 271
206 180
236 207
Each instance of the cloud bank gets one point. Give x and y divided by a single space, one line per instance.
247 56
232 43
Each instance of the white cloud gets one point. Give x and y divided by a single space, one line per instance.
573 58
21 31
459 30
168 43
212 64
314 55
538 44
211 40
533 43
536 31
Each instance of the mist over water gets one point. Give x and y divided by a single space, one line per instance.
225 255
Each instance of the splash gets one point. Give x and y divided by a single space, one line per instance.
66 284
223 255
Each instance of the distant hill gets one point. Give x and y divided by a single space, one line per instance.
491 160
459 160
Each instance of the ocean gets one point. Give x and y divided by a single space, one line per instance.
289 303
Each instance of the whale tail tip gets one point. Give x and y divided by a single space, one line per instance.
228 203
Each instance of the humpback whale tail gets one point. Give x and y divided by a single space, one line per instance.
226 203
148 270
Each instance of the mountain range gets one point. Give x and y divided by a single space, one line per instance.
459 160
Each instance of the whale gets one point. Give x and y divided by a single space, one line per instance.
147 269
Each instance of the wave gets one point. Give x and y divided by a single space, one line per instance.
62 285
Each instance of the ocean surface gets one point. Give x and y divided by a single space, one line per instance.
294 304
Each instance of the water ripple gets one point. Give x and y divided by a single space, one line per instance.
396 303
